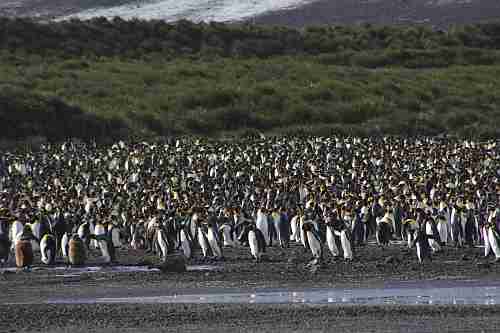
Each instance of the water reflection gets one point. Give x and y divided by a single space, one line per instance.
489 295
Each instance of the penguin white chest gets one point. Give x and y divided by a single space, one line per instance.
330 241
115 236
254 245
212 240
103 246
186 247
65 244
314 244
162 242
494 242
202 240
226 232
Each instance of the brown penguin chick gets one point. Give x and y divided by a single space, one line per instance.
77 253
24 250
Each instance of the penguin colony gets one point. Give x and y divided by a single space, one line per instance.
330 195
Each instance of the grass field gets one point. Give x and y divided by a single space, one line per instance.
377 89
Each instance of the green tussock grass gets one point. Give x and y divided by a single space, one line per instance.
361 88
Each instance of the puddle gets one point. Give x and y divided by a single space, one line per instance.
413 294
63 271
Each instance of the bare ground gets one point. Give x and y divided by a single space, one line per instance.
285 268
435 13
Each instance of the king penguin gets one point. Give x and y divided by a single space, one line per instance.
162 241
115 233
65 245
331 241
431 229
99 230
16 230
295 225
213 242
202 240
256 241
313 240
442 227
185 243
345 241
422 244
105 244
4 243
48 249
383 233
84 234
492 240
24 249
77 253
227 235
263 225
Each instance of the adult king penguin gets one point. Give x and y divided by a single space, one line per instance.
4 242
263 225
256 241
185 243
442 228
162 241
491 239
422 244
213 241
384 229
227 234
313 240
105 244
48 249
16 230
331 240
65 245
295 226
202 239
431 229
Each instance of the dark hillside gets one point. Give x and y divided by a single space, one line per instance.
106 79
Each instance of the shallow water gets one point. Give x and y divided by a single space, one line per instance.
194 10
63 271
409 293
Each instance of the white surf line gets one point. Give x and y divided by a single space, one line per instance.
194 10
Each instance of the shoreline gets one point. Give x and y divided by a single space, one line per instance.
384 12
431 13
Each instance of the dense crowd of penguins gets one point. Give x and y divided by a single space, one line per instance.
329 194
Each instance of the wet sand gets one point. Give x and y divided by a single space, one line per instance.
284 269
247 318
435 13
